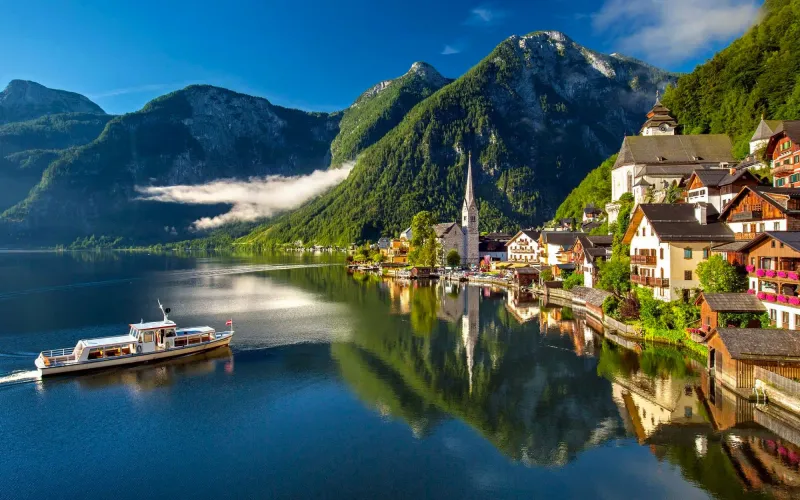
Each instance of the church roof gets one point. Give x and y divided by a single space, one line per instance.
445 228
469 195
765 129
660 149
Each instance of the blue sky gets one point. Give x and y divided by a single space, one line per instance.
320 55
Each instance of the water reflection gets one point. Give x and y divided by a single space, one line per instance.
542 385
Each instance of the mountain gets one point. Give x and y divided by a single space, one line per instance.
23 100
755 75
58 131
537 113
195 135
595 188
381 108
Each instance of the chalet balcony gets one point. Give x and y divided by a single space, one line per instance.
744 236
650 281
746 215
639 280
643 260
783 170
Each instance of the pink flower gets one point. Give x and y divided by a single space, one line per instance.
760 273
750 268
783 299
782 274
793 276
770 297
770 273
795 301
751 291
761 295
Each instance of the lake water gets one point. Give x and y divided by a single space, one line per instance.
343 386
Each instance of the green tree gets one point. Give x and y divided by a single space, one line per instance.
573 280
615 275
423 239
716 275
546 274
377 257
453 258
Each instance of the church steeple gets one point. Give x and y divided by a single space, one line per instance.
469 195
659 120
469 220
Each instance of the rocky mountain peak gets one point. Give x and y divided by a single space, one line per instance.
428 73
25 100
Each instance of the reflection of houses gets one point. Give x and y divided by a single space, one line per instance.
400 295
524 246
666 244
522 305
451 305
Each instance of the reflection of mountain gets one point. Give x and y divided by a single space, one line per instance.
536 403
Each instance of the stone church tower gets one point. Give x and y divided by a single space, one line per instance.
469 221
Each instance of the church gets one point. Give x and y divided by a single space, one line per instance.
462 238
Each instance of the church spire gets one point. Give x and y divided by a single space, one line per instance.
469 195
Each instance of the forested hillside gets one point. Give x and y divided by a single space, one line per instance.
758 74
595 189
534 114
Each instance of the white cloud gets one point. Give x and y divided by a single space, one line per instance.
450 50
671 31
484 16
251 200
151 87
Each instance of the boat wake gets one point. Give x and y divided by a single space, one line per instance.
165 277
19 377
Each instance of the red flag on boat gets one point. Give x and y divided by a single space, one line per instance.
229 322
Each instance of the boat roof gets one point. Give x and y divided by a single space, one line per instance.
153 325
108 341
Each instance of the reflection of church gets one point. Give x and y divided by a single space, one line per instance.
470 327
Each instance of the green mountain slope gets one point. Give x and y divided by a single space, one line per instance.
59 131
758 74
191 136
381 108
537 113
595 188
23 100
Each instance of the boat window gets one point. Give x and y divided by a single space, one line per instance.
171 333
148 337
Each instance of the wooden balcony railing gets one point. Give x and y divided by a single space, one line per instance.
744 236
639 280
783 170
746 215
645 260
650 281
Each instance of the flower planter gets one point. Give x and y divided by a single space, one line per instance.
751 291
793 276
770 297
770 273
783 274
795 301
761 296
783 299
761 273
750 268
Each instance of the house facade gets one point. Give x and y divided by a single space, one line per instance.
718 186
756 209
773 267
556 247
524 246
783 152
666 244
587 252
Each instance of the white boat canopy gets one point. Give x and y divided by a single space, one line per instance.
153 325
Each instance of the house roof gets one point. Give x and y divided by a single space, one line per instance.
526 270
642 182
530 233
588 226
791 128
445 228
735 246
677 222
710 148
744 343
765 129
560 238
601 240
675 170
775 196
594 253
789 238
732 302
721 176
592 296
591 209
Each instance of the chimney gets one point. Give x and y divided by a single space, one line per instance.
732 171
701 213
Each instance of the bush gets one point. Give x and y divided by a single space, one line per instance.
572 281
546 274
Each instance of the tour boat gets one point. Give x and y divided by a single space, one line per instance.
144 342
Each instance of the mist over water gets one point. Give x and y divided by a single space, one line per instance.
252 199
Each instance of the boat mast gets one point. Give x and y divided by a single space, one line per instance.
164 311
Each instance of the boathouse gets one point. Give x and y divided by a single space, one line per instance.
418 272
733 354
712 304
526 276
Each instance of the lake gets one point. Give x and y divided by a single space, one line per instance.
347 386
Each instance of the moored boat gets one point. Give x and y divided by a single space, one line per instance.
156 340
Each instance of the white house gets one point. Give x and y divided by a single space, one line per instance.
556 246
524 246
667 242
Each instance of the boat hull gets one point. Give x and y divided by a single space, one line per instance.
133 359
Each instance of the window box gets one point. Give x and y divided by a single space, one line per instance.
795 301
750 268
751 291
783 299
770 297
770 273
783 274
761 296
761 273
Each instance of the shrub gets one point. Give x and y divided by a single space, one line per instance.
573 280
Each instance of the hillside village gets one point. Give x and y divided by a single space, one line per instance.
694 247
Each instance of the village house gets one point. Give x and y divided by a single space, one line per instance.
712 304
649 164
397 251
556 247
406 235
524 246
734 353
756 209
758 142
591 213
718 186
384 243
493 246
666 244
587 252
773 267
783 152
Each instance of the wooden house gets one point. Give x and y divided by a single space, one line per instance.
712 304
526 276
762 208
586 253
783 151
418 272
733 354
718 186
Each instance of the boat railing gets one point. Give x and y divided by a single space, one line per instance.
57 353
